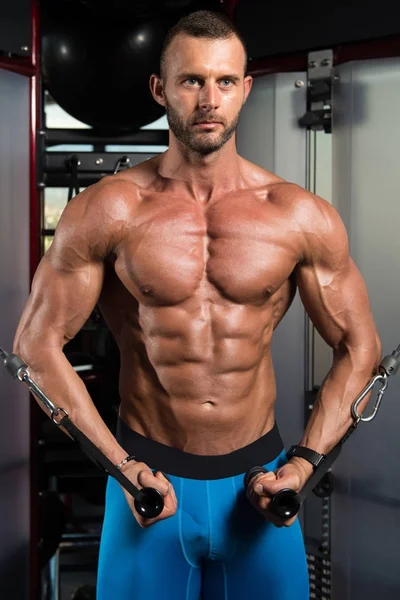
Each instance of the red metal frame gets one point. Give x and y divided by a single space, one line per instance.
381 48
22 66
230 7
34 580
35 120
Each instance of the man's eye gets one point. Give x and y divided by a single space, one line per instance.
191 81
226 82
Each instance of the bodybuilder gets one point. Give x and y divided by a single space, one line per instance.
194 257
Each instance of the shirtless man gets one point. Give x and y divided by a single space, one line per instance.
194 257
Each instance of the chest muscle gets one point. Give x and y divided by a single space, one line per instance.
243 253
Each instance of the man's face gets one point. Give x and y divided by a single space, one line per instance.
204 90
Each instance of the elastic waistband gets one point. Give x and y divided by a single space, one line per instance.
195 466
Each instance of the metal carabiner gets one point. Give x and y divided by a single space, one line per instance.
23 375
383 379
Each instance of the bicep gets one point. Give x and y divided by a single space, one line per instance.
67 283
336 301
60 301
331 287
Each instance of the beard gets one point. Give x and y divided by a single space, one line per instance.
200 141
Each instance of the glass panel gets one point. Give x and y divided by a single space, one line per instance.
366 150
57 118
47 242
141 148
17 488
55 200
321 168
71 148
161 123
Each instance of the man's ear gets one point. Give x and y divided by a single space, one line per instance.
248 82
157 88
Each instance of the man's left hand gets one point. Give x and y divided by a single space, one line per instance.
265 485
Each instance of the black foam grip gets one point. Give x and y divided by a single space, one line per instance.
150 504
285 504
252 473
13 363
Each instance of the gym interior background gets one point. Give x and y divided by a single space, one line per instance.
74 106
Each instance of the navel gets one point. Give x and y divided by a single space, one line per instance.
209 403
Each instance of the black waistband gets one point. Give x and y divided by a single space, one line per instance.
194 466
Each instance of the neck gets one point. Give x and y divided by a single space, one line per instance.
202 176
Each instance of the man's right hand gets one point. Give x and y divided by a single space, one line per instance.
142 476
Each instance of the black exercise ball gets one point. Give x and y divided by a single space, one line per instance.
97 67
138 8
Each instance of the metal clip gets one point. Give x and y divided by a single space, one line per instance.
23 375
54 415
19 370
123 162
383 380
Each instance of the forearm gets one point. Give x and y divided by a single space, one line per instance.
51 371
331 416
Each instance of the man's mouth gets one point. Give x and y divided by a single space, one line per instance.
206 124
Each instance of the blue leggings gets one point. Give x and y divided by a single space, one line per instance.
216 546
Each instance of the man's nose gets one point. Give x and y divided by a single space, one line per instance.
210 97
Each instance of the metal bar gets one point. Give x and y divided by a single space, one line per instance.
277 64
23 375
68 537
309 328
79 545
90 162
54 576
151 137
34 193
64 180
387 47
22 66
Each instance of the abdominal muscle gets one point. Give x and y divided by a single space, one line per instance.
199 376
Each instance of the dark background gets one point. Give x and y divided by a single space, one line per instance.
268 28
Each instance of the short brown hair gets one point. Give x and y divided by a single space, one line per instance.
201 24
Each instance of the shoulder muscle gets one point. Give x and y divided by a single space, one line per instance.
92 223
